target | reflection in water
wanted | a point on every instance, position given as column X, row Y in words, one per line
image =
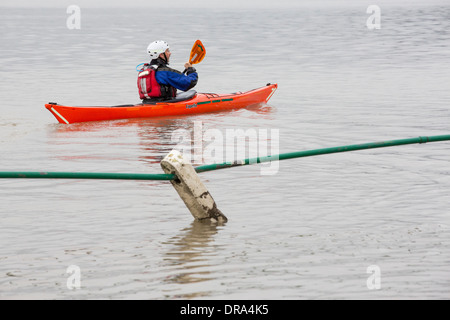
column 188, row 254
column 155, row 135
column 147, row 140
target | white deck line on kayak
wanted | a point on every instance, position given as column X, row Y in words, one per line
column 270, row 95
column 57, row 113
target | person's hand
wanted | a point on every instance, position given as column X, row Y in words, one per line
column 187, row 65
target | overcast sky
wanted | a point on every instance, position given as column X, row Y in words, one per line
column 207, row 3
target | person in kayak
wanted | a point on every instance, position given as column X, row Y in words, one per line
column 164, row 82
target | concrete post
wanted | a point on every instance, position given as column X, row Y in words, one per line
column 191, row 190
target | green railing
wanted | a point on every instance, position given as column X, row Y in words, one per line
column 210, row 167
column 318, row 152
column 86, row 175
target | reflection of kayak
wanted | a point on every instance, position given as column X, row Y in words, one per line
column 197, row 103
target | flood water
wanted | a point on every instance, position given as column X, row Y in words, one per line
column 314, row 229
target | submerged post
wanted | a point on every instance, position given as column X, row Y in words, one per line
column 191, row 190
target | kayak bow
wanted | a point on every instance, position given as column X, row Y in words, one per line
column 199, row 103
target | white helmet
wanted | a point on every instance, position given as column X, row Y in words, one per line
column 156, row 48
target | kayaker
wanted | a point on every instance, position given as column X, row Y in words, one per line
column 168, row 80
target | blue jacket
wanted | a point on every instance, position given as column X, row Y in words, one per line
column 174, row 78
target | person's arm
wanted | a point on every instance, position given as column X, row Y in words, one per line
column 177, row 79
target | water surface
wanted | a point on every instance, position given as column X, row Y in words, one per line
column 308, row 232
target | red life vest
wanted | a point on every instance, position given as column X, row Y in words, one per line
column 147, row 84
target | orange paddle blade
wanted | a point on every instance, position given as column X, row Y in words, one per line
column 198, row 52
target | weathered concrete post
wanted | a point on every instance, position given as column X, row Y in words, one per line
column 191, row 190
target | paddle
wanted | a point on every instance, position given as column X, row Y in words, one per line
column 198, row 52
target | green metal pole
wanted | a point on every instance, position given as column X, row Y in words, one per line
column 86, row 175
column 210, row 167
column 317, row 152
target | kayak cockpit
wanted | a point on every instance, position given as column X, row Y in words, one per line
column 182, row 96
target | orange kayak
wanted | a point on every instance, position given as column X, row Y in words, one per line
column 198, row 103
